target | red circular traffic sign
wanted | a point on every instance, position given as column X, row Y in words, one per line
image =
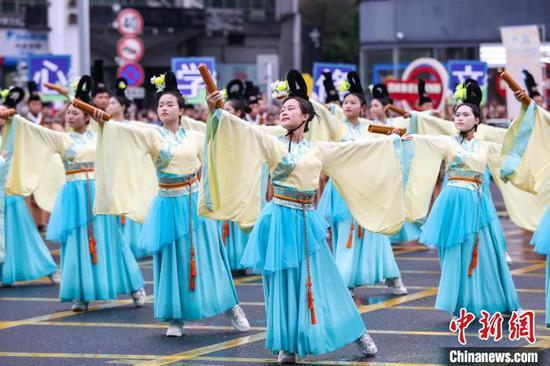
column 130, row 49
column 129, row 22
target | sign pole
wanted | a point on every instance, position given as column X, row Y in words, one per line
column 84, row 36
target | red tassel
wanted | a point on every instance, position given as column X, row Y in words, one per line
column 350, row 239
column 360, row 231
column 225, row 231
column 91, row 245
column 310, row 302
column 473, row 263
column 122, row 220
column 193, row 271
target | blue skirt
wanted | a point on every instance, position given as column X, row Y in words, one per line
column 276, row 249
column 166, row 234
column 457, row 217
column 27, row 256
column 235, row 243
column 495, row 227
column 541, row 242
column 370, row 258
column 116, row 270
column 132, row 232
column 409, row 232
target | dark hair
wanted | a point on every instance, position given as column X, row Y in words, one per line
column 306, row 107
column 179, row 97
column 359, row 96
column 239, row 105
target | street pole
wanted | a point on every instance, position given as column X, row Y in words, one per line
column 84, row 37
column 297, row 36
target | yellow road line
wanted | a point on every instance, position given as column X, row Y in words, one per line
column 76, row 355
column 64, row 314
column 431, row 308
column 524, row 270
column 192, row 354
column 132, row 358
column 140, row 325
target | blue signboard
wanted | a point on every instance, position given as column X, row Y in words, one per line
column 339, row 74
column 52, row 69
column 459, row 71
column 189, row 79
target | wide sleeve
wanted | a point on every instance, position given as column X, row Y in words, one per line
column 526, row 149
column 325, row 126
column 125, row 175
column 232, row 169
column 189, row 123
column 35, row 150
column 368, row 176
column 421, row 161
column 426, row 124
column 524, row 208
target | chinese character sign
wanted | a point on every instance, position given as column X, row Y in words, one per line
column 52, row 69
column 339, row 74
column 459, row 71
column 189, row 79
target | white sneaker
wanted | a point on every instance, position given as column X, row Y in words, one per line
column 139, row 297
column 367, row 345
column 79, row 305
column 238, row 319
column 286, row 357
column 55, row 278
column 507, row 257
column 396, row 285
column 175, row 329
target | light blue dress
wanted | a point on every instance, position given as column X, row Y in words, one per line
column 23, row 254
column 167, row 233
column 116, row 270
column 368, row 257
column 132, row 232
column 276, row 249
column 541, row 242
column 459, row 214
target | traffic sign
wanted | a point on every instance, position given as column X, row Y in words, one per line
column 49, row 69
column 131, row 49
column 129, row 22
column 133, row 73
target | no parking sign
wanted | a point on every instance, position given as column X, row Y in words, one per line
column 133, row 73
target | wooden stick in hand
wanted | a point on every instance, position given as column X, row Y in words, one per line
column 386, row 130
column 58, row 88
column 400, row 111
column 210, row 84
column 7, row 113
column 512, row 84
column 90, row 109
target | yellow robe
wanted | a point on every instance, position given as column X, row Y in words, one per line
column 236, row 152
column 37, row 166
column 127, row 154
column 525, row 209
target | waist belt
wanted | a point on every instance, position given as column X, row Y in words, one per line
column 79, row 174
column 294, row 199
column 474, row 180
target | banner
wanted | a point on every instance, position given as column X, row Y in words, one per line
column 189, row 79
column 459, row 71
column 339, row 74
column 522, row 44
column 52, row 69
column 405, row 90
